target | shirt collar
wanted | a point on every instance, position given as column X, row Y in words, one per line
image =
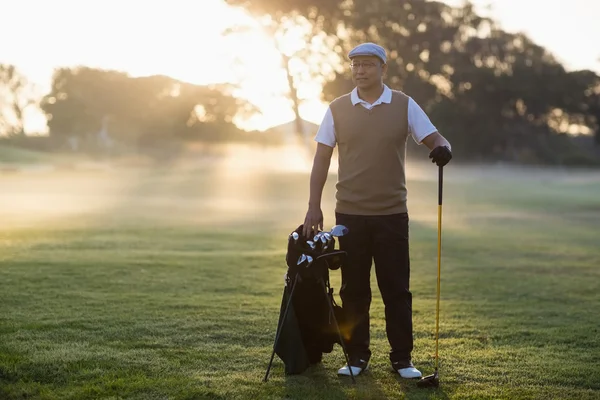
column 386, row 97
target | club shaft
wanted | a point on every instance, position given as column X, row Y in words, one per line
column 440, row 184
column 439, row 266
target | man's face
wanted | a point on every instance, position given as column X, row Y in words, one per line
column 367, row 71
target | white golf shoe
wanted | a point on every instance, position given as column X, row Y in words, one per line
column 410, row 373
column 357, row 368
column 407, row 371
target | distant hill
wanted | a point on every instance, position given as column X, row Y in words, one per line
column 289, row 129
column 287, row 133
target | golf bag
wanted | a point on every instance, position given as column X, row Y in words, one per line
column 310, row 322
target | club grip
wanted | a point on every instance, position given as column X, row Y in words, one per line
column 440, row 184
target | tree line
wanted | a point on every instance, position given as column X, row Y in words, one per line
column 495, row 95
column 88, row 107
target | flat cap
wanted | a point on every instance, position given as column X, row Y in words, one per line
column 368, row 49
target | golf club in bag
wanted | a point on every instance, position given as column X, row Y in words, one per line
column 434, row 379
column 310, row 322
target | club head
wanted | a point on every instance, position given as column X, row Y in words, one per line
column 429, row 381
column 338, row 230
column 295, row 236
column 329, row 240
column 301, row 259
column 310, row 260
column 311, row 244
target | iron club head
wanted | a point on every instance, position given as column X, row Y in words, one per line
column 429, row 381
column 301, row 259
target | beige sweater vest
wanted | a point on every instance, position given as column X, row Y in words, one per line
column 372, row 150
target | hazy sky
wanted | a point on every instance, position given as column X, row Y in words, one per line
column 182, row 38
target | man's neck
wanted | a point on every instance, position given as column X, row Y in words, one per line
column 370, row 95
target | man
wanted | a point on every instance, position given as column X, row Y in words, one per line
column 371, row 126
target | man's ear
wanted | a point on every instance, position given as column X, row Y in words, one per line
column 384, row 69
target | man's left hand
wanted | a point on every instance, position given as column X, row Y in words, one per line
column 441, row 155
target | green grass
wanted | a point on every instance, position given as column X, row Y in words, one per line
column 16, row 157
column 9, row 154
column 166, row 285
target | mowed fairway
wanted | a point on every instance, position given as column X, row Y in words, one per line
column 166, row 283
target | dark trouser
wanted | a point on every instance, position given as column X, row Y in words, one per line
column 383, row 239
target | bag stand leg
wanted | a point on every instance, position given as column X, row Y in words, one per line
column 289, row 302
column 338, row 331
column 279, row 328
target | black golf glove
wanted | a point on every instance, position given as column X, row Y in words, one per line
column 441, row 155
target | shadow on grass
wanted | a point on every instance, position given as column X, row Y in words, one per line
column 319, row 382
column 412, row 392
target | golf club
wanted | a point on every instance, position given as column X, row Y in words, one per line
column 301, row 259
column 318, row 246
column 309, row 259
column 434, row 379
column 338, row 230
column 326, row 238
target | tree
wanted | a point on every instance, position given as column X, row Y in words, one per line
column 494, row 93
column 16, row 95
column 304, row 48
column 159, row 106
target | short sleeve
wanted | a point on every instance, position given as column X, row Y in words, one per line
column 419, row 124
column 326, row 132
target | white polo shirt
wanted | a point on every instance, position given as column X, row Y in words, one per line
column 419, row 125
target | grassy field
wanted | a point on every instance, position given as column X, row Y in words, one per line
column 13, row 156
column 166, row 283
